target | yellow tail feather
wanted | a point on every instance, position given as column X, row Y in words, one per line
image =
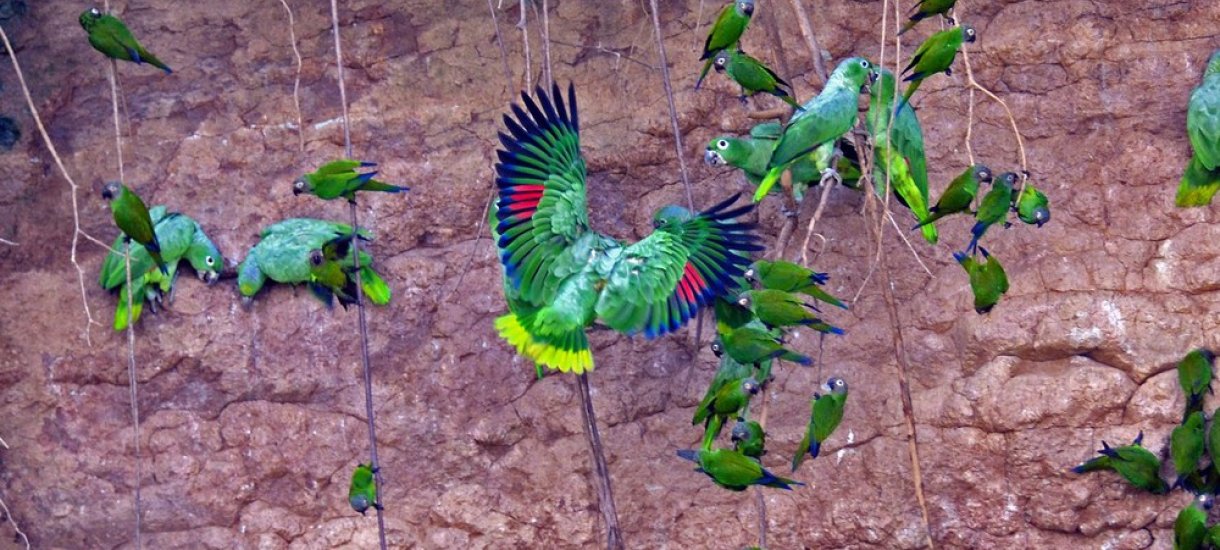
column 543, row 353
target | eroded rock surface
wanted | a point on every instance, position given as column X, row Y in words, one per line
column 253, row 418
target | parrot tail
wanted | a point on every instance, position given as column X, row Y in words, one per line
column 789, row 100
column 787, row 355
column 374, row 185
column 929, row 233
column 565, row 351
column 915, row 19
column 689, row 454
column 815, row 447
column 771, row 480
column 156, row 256
column 768, row 182
column 906, row 95
column 707, row 65
column 1198, row 185
column 1093, row 465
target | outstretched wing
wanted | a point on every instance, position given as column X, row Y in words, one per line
column 660, row 282
column 541, row 206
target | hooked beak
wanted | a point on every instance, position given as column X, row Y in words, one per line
column 873, row 76
column 210, row 277
column 712, row 158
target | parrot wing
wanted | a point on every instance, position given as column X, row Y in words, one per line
column 1203, row 123
column 342, row 166
column 717, row 38
column 659, row 283
column 541, row 201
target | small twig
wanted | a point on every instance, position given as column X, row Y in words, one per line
column 902, row 235
column 815, row 48
column 374, row 463
column 133, row 381
column 77, row 231
column 673, row 110
column 525, row 39
column 817, row 215
column 970, row 127
column 118, row 129
column 699, row 38
column 760, row 498
column 8, row 242
column 605, row 493
column 508, row 73
column 296, row 84
column 20, row 533
column 547, row 77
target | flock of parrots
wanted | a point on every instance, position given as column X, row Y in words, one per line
column 559, row 276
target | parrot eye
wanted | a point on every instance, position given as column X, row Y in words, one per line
column 94, row 11
column 315, row 257
column 722, row 144
column 743, row 302
column 864, row 63
column 717, row 349
column 969, row 32
column 210, row 261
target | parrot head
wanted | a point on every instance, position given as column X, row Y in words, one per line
column 721, row 61
column 111, row 190
column 360, row 503
column 968, row 33
column 751, row 275
column 206, row 260
column 726, row 150
column 835, row 385
column 750, row 385
column 745, row 7
column 1203, row 501
column 300, row 185
column 1207, row 354
column 744, row 300
column 1042, row 215
column 856, row 70
column 1007, row 178
column 90, row 17
column 982, row 173
column 741, row 430
column 717, row 348
column 670, row 216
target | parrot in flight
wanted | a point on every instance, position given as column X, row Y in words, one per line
column 340, row 179
column 725, row 33
column 733, row 470
column 960, row 194
column 825, row 413
column 988, row 282
column 563, row 276
column 935, row 55
column 1032, row 205
column 131, row 215
column 825, row 118
column 1202, row 176
column 363, row 491
column 753, row 76
column 927, row 8
column 899, row 151
column 108, row 34
column 1195, row 377
column 1133, row 462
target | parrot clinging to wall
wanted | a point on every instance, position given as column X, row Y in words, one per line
column 1190, row 528
column 362, row 494
column 752, row 153
column 283, row 255
column 562, row 276
column 725, row 33
column 790, row 277
column 733, row 470
column 994, row 208
column 753, row 76
column 1202, row 176
column 1033, row 207
column 340, row 178
column 1195, row 378
column 988, row 281
column 108, row 34
column 825, row 413
column 1133, row 462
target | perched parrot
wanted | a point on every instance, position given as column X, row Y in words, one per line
column 725, row 33
column 1190, row 529
column 751, row 155
column 340, row 179
column 749, row 438
column 363, row 491
column 733, row 470
column 1186, row 446
column 752, row 346
column 564, row 276
column 114, row 270
column 960, row 194
column 282, row 255
column 988, row 282
column 1202, row 176
column 107, row 34
column 205, row 257
column 1031, row 205
column 898, row 151
column 753, row 76
column 730, row 316
column 994, row 208
column 777, row 308
column 728, row 371
column 1134, row 463
column 131, row 215
column 927, row 8
column 1195, row 377
column 732, row 398
column 790, row 277
column 328, row 278
column 935, row 55
column 825, row 413
column 826, row 118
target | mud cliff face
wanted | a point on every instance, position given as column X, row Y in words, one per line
column 253, row 418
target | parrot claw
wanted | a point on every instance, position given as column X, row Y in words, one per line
column 744, row 101
column 949, row 71
column 830, row 174
column 247, row 301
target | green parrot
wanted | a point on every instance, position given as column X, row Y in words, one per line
column 733, row 470
column 1031, row 205
column 131, row 215
column 935, row 55
column 825, row 413
column 282, row 255
column 988, row 282
column 725, row 33
column 566, row 276
column 1134, row 463
column 1190, row 529
column 728, row 371
column 776, row 308
column 1213, row 536
column 1195, row 377
column 205, row 257
column 340, row 178
column 1095, row 464
column 1202, row 176
column 751, row 155
column 114, row 270
column 927, row 8
column 1186, row 446
column 960, row 194
column 363, row 492
column 749, row 438
column 790, row 277
column 730, row 399
column 753, row 76
column 898, row 151
column 730, row 316
column 328, row 278
column 107, row 34
column 752, row 346
column 826, row 118
column 994, row 208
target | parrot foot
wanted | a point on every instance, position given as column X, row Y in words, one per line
column 787, row 212
column 952, row 22
column 1007, row 225
column 948, row 71
column 379, row 506
column 830, row 174
column 744, row 100
column 154, row 303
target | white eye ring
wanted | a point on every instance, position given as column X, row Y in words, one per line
column 209, row 260
column 864, row 63
column 722, row 144
column 95, row 11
